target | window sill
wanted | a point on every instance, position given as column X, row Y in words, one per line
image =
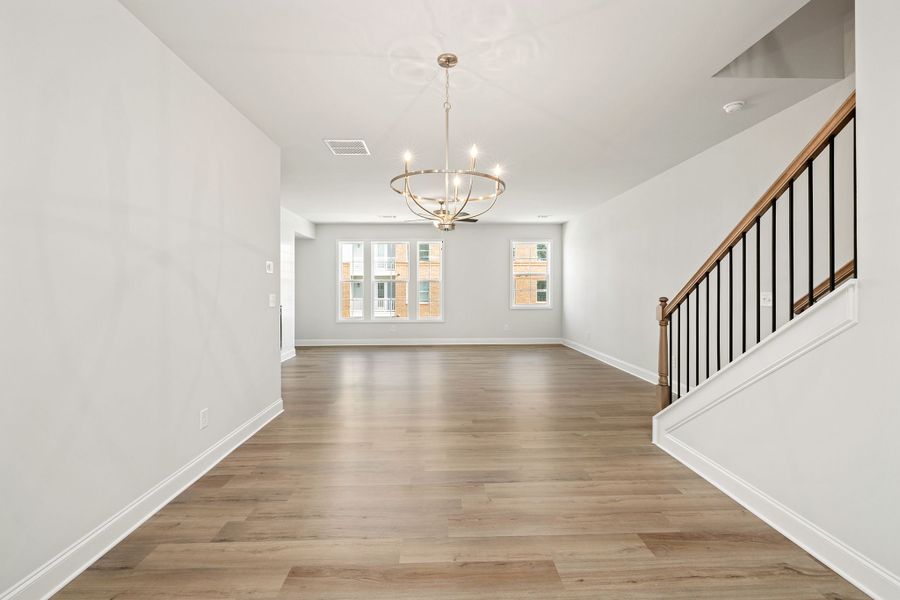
column 535, row 307
column 389, row 321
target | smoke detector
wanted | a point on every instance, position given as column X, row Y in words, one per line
column 733, row 107
column 348, row 147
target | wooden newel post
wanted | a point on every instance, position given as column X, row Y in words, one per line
column 662, row 390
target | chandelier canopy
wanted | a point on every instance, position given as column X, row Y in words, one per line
column 452, row 191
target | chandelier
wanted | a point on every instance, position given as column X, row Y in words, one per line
column 452, row 191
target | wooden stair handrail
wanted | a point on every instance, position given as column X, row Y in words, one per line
column 841, row 117
column 840, row 276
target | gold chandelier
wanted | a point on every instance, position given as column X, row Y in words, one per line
column 447, row 208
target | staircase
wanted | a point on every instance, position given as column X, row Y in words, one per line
column 794, row 247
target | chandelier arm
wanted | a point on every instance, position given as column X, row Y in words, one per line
column 427, row 216
column 410, row 196
column 468, row 194
column 493, row 202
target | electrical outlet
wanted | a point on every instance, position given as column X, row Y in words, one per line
column 506, row 327
column 393, row 328
column 204, row 418
column 273, row 300
column 765, row 299
column 270, row 267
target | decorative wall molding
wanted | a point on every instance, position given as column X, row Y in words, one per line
column 60, row 570
column 288, row 354
column 829, row 317
column 833, row 315
column 429, row 342
column 629, row 368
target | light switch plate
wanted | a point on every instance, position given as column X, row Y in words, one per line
column 270, row 267
column 765, row 299
column 204, row 418
column 273, row 300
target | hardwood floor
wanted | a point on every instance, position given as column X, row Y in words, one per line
column 455, row 473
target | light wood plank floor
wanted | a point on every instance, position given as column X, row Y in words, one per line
column 455, row 473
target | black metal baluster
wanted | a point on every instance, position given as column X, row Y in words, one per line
column 718, row 315
column 774, row 281
column 758, row 244
column 707, row 324
column 831, row 214
column 679, row 351
column 744, row 292
column 791, row 250
column 671, row 335
column 809, row 193
column 687, row 344
column 697, row 340
column 730, row 306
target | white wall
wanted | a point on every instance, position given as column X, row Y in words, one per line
column 819, row 436
column 623, row 255
column 476, row 286
column 293, row 226
column 137, row 210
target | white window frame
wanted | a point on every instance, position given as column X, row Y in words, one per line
column 419, row 317
column 374, row 282
column 512, row 277
column 337, row 301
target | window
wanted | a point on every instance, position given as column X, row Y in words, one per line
column 541, row 291
column 390, row 279
column 374, row 282
column 530, row 285
column 430, row 275
column 351, row 274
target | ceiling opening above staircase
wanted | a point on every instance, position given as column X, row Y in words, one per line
column 816, row 42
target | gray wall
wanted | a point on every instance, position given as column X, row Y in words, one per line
column 476, row 285
column 625, row 254
column 137, row 210
column 292, row 227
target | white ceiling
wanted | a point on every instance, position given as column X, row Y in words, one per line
column 579, row 100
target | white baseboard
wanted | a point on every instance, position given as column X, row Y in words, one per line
column 871, row 578
column 629, row 368
column 53, row 575
column 427, row 342
column 833, row 315
column 288, row 354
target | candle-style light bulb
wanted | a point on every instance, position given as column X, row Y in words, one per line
column 473, row 151
column 407, row 156
column 498, row 170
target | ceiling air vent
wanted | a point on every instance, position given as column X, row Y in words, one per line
column 348, row 147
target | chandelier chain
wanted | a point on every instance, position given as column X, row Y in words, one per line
column 446, row 89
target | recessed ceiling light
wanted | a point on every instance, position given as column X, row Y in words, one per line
column 348, row 147
column 733, row 107
column 543, row 216
column 387, row 216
